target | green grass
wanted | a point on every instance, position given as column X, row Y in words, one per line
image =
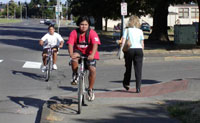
column 3, row 21
column 187, row 112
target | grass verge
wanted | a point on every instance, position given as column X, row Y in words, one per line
column 187, row 112
column 4, row 21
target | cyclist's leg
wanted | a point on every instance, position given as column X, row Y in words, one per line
column 92, row 72
column 92, row 77
column 75, row 61
column 44, row 56
column 55, row 50
column 74, row 64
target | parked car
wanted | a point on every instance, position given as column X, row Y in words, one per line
column 49, row 22
column 145, row 27
column 41, row 21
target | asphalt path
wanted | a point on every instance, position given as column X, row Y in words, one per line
column 23, row 90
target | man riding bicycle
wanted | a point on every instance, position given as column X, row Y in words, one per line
column 84, row 41
column 51, row 40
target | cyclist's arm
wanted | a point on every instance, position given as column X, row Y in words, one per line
column 70, row 50
column 61, row 44
column 41, row 42
column 94, row 50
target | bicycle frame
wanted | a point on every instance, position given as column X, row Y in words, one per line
column 81, row 84
column 49, row 62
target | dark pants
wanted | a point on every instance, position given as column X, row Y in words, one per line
column 134, row 56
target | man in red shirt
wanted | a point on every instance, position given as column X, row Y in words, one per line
column 84, row 41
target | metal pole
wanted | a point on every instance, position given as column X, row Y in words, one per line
column 14, row 12
column 21, row 11
column 7, row 10
column 26, row 12
column 58, row 14
column 122, row 23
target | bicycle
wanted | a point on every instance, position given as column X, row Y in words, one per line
column 49, row 63
column 82, row 74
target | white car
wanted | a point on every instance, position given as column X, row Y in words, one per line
column 41, row 21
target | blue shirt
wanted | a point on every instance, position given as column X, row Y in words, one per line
column 136, row 37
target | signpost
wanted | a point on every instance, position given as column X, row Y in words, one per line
column 123, row 13
column 58, row 11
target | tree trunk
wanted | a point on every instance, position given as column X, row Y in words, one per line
column 106, row 24
column 198, row 42
column 159, row 31
column 98, row 23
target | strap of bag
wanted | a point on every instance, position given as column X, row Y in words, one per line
column 86, row 36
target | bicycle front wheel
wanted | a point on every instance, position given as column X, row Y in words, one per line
column 48, row 71
column 80, row 93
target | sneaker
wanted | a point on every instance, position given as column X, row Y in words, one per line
column 90, row 95
column 55, row 67
column 75, row 78
column 44, row 68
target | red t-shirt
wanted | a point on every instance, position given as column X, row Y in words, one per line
column 93, row 38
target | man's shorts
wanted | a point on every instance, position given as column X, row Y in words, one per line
column 45, row 51
column 87, row 62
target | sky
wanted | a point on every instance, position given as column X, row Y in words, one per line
column 6, row 1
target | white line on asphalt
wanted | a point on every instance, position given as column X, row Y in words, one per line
column 35, row 65
column 1, row 60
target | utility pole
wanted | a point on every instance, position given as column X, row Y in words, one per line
column 58, row 14
column 20, row 10
column 123, row 13
column 7, row 10
column 26, row 11
column 14, row 12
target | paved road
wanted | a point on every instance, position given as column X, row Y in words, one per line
column 23, row 90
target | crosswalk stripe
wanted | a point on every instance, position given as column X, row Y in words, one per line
column 1, row 60
column 34, row 65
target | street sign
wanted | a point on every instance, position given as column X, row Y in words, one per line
column 59, row 9
column 123, row 8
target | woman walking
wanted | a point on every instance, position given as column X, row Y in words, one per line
column 134, row 55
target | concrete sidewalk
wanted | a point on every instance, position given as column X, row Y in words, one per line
column 118, row 105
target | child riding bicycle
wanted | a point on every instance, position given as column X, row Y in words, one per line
column 84, row 41
column 51, row 40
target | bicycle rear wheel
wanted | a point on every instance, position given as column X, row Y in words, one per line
column 80, row 94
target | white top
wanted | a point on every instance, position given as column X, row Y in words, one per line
column 51, row 40
column 136, row 37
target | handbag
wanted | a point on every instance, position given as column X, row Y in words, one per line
column 127, row 43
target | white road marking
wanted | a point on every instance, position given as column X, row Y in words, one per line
column 1, row 60
column 34, row 65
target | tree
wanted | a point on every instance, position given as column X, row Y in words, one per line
column 108, row 9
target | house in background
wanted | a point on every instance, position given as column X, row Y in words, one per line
column 178, row 14
column 183, row 14
column 2, row 7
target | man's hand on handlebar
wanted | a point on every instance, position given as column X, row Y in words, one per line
column 90, row 57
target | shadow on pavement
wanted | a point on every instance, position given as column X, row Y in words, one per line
column 142, row 113
column 20, row 27
column 144, row 81
column 27, row 32
column 25, row 102
column 68, row 88
column 31, row 75
column 30, row 44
